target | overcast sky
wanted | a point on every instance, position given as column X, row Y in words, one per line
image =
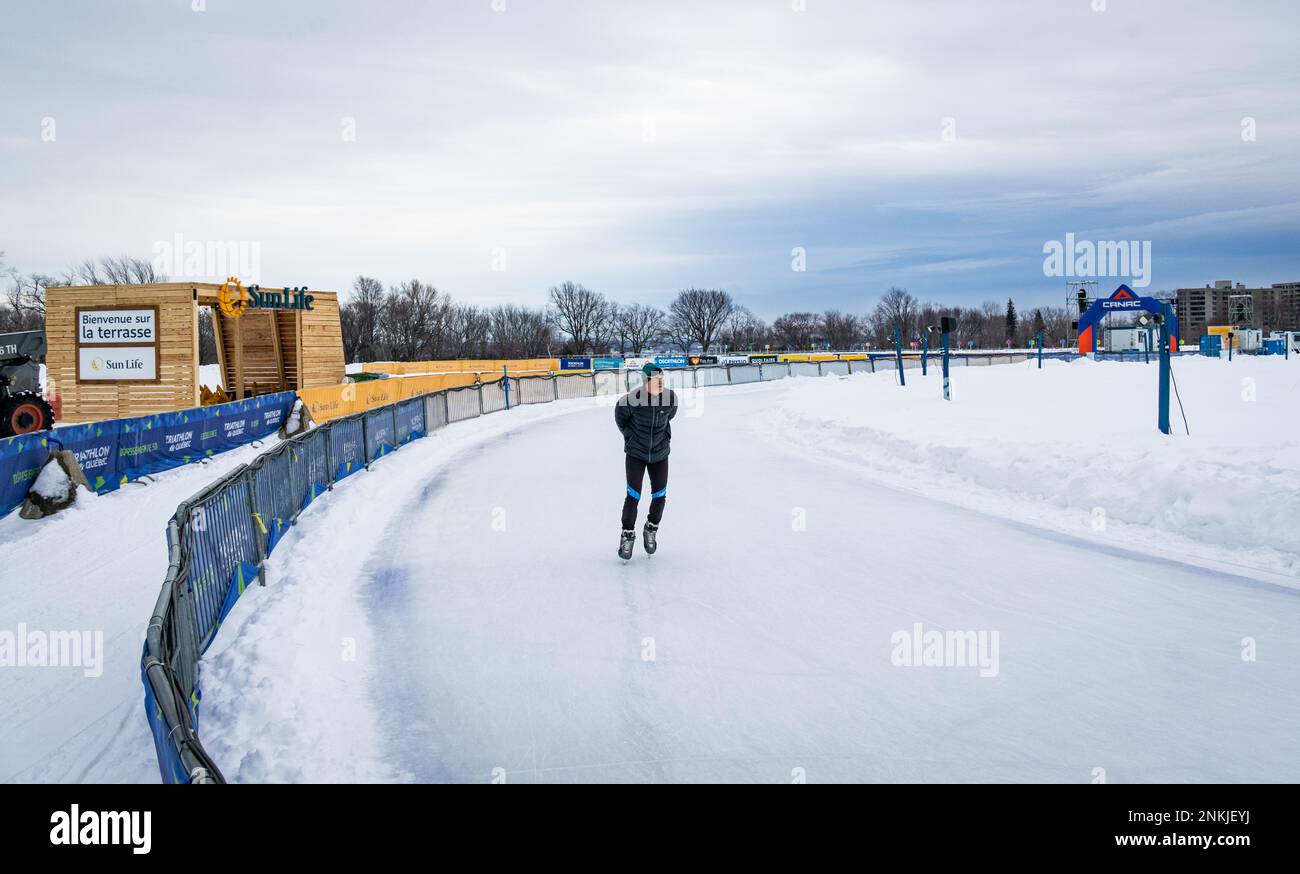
column 644, row 147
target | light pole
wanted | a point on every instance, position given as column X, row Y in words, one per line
column 898, row 353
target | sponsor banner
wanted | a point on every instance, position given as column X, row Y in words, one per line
column 95, row 446
column 764, row 358
column 670, row 360
column 636, row 363
column 114, row 452
column 117, row 326
column 21, row 458
column 697, row 360
column 733, row 359
column 607, row 364
column 117, row 363
column 575, row 364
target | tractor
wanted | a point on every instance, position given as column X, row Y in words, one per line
column 22, row 408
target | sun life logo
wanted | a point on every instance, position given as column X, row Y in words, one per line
column 232, row 299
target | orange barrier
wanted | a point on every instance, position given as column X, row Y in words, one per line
column 335, row 401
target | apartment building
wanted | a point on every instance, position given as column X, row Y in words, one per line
column 1276, row 308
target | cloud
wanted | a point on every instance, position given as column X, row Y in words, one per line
column 644, row 147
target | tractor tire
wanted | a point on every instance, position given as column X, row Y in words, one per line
column 24, row 413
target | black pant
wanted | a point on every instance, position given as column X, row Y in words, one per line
column 636, row 468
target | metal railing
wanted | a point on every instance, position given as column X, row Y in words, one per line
column 218, row 540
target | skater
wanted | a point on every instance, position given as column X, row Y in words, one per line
column 643, row 417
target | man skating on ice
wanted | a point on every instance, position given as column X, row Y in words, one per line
column 643, row 417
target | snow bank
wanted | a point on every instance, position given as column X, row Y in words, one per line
column 95, row 568
column 1074, row 447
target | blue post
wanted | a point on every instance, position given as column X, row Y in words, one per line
column 1230, row 347
column 946, row 396
column 1163, row 422
column 505, row 375
column 1040, row 350
column 898, row 353
column 925, row 351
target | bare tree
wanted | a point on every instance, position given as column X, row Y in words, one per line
column 640, row 325
column 122, row 270
column 360, row 317
column 897, row 308
column 584, row 315
column 841, row 330
column 701, row 313
column 414, row 322
column 468, row 331
column 744, row 331
column 207, row 337
column 679, row 332
column 519, row 332
column 795, row 331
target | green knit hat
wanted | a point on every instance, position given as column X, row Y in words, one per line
column 650, row 368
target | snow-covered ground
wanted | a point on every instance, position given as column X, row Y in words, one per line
column 210, row 375
column 97, row 569
column 458, row 613
column 1074, row 447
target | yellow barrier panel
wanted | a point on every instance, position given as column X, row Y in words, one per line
column 335, row 401
column 518, row 366
column 329, row 401
column 414, row 386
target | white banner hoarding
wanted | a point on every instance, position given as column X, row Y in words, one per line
column 111, row 363
column 116, row 326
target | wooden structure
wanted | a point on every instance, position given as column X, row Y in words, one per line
column 279, row 350
column 262, row 351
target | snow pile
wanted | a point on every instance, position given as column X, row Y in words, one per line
column 52, row 482
column 1074, row 447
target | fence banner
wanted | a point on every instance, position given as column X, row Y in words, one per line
column 114, row 452
column 575, row 364
column 670, row 360
column 150, row 444
column 607, row 364
column 347, row 447
column 95, row 446
column 329, row 402
column 21, row 458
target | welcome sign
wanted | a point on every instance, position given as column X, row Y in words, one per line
column 117, row 326
column 117, row 345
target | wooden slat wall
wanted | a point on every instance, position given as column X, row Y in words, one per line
column 287, row 324
column 321, row 342
column 253, row 332
column 177, row 360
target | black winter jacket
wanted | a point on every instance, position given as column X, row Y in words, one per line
column 644, row 420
